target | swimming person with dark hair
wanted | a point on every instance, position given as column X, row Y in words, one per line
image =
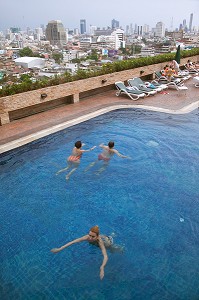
column 94, row 238
column 74, row 159
column 105, row 156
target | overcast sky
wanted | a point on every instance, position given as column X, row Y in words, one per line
column 23, row 13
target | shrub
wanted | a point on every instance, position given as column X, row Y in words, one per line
column 83, row 74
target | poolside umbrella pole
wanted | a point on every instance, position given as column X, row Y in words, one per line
column 177, row 56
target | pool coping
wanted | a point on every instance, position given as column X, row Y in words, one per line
column 45, row 132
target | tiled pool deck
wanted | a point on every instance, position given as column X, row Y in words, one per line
column 22, row 131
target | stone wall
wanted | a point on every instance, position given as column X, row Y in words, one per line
column 27, row 103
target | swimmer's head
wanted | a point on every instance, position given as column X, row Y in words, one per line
column 78, row 144
column 94, row 233
column 111, row 144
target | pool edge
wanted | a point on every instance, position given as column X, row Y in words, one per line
column 40, row 134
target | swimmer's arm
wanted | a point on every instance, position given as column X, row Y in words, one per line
column 88, row 149
column 103, row 146
column 81, row 239
column 119, row 154
column 105, row 259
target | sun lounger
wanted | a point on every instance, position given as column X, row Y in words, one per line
column 130, row 92
column 179, row 87
column 149, row 85
column 192, row 71
column 164, row 80
column 161, row 85
column 184, row 74
column 135, row 83
column 196, row 81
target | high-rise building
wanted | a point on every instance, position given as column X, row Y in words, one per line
column 82, row 26
column 76, row 31
column 115, row 24
column 55, row 33
column 104, row 31
column 119, row 38
column 38, row 34
column 15, row 29
column 190, row 22
column 39, row 31
column 131, row 28
column 160, row 29
column 127, row 29
column 139, row 28
column 145, row 29
column 92, row 29
column 184, row 23
column 136, row 29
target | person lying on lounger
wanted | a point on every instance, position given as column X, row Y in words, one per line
column 74, row 159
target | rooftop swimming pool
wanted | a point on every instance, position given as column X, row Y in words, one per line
column 149, row 204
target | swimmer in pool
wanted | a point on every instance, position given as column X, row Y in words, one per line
column 105, row 156
column 95, row 238
column 74, row 159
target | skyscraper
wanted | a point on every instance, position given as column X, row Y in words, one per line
column 92, row 29
column 139, row 28
column 76, row 31
column 190, row 22
column 55, row 33
column 131, row 28
column 160, row 29
column 115, row 24
column 136, row 29
column 82, row 26
column 184, row 24
column 145, row 29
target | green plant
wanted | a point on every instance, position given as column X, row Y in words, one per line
column 26, row 51
column 108, row 68
column 58, row 57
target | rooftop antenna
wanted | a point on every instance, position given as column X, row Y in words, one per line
column 172, row 24
column 23, row 23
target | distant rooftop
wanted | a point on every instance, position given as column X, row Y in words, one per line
column 55, row 21
column 27, row 59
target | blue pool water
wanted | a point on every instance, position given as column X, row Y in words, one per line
column 150, row 204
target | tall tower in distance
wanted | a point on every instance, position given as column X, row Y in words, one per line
column 115, row 24
column 184, row 23
column 190, row 22
column 160, row 30
column 55, row 33
column 171, row 24
column 82, row 26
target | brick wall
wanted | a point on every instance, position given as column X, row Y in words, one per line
column 27, row 103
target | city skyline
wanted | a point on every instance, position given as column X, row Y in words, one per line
column 101, row 14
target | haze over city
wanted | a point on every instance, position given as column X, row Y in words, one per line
column 32, row 14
